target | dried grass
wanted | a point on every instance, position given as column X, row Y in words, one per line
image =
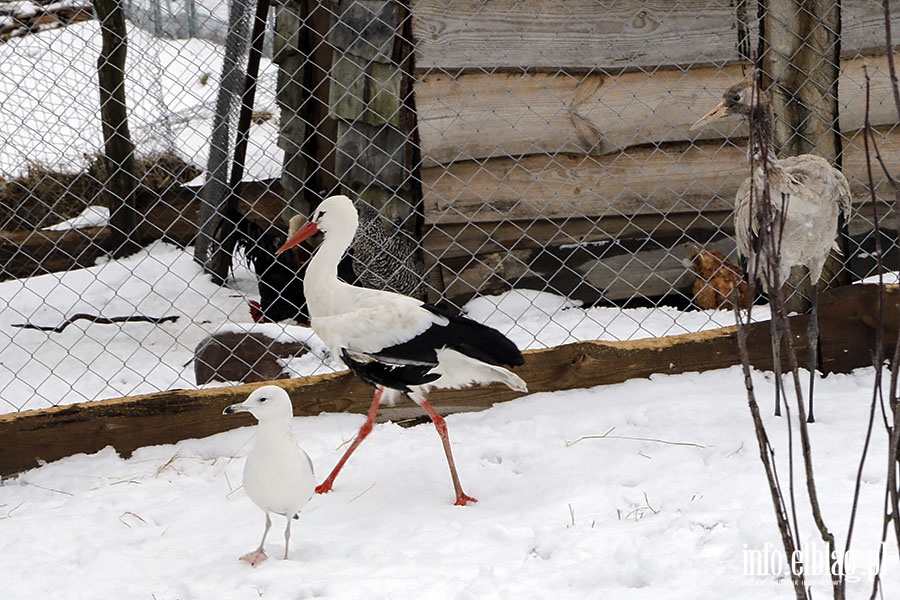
column 43, row 197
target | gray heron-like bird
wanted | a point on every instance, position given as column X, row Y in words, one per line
column 807, row 198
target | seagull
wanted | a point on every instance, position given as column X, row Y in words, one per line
column 807, row 197
column 278, row 474
column 397, row 343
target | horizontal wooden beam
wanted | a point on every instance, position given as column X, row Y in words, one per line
column 689, row 178
column 172, row 217
column 643, row 261
column 30, row 438
column 467, row 239
column 582, row 34
column 647, row 180
column 575, row 33
column 475, row 116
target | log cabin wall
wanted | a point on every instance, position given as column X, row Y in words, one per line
column 554, row 140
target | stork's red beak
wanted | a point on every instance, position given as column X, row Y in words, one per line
column 306, row 231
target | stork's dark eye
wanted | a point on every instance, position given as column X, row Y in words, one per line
column 263, row 399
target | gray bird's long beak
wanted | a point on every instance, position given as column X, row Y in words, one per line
column 717, row 112
column 235, row 408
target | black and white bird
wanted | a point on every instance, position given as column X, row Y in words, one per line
column 397, row 343
column 278, row 474
column 808, row 197
column 382, row 256
column 279, row 277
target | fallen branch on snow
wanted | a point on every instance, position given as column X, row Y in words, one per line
column 97, row 319
column 607, row 436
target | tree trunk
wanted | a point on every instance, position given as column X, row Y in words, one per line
column 122, row 182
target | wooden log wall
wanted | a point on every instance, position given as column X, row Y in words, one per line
column 366, row 99
column 566, row 125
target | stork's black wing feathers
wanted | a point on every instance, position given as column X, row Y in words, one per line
column 397, row 375
column 462, row 334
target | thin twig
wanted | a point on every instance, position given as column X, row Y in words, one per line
column 761, row 203
column 878, row 358
column 607, row 436
column 97, row 319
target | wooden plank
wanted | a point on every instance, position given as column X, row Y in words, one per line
column 463, row 34
column 366, row 98
column 604, row 267
column 665, row 180
column 583, row 34
column 605, row 274
column 30, row 438
column 646, row 180
column 451, row 240
column 30, row 253
column 487, row 115
column 172, row 218
column 365, row 29
column 848, row 318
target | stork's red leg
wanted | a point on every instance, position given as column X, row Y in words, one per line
column 364, row 431
column 461, row 498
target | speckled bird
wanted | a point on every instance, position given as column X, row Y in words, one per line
column 382, row 256
column 807, row 199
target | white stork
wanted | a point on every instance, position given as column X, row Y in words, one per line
column 397, row 343
column 807, row 198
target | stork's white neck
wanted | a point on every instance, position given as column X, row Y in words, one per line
column 321, row 284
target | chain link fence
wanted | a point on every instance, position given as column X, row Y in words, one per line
column 528, row 161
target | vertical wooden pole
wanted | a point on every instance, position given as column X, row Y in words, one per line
column 307, row 134
column 800, row 51
column 366, row 100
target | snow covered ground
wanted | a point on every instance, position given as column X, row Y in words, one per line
column 672, row 503
column 89, row 361
column 675, row 507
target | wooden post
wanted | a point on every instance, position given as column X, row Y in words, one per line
column 216, row 194
column 307, row 134
column 122, row 182
column 800, row 51
column 366, row 100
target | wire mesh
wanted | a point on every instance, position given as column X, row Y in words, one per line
column 530, row 162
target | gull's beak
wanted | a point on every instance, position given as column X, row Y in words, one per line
column 717, row 112
column 235, row 408
column 306, row 231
